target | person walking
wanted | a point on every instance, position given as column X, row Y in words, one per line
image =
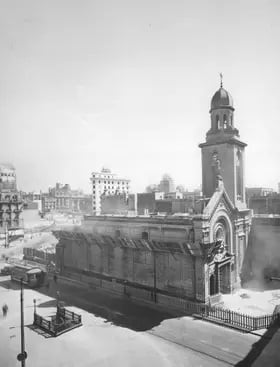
column 5, row 310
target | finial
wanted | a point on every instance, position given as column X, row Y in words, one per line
column 221, row 77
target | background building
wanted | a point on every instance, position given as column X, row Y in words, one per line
column 166, row 184
column 32, row 200
column 63, row 199
column 68, row 200
column 48, row 204
column 105, row 183
column 263, row 200
column 11, row 204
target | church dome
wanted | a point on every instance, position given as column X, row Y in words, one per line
column 221, row 99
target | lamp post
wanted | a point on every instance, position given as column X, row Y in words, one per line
column 34, row 302
column 23, row 355
column 155, row 275
column 57, row 300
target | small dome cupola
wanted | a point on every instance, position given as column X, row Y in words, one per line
column 221, row 110
column 221, row 99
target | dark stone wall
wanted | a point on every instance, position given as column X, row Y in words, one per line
column 175, row 272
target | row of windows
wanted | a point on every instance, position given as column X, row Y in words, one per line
column 117, row 187
column 7, row 174
column 101, row 176
column 111, row 182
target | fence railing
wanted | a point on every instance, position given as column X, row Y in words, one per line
column 59, row 322
column 43, row 323
column 240, row 320
column 66, row 314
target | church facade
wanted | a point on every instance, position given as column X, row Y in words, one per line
column 197, row 258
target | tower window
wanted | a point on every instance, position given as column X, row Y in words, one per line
column 217, row 126
column 225, row 121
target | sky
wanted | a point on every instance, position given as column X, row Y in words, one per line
column 127, row 84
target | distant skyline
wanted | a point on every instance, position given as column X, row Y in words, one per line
column 127, row 84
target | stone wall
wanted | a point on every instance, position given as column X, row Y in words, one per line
column 171, row 272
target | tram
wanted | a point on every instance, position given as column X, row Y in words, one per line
column 31, row 276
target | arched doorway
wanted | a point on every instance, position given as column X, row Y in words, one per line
column 220, row 278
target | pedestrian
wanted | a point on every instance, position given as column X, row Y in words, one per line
column 55, row 278
column 5, row 310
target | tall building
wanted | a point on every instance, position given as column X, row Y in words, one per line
column 11, row 204
column 106, row 183
column 166, row 184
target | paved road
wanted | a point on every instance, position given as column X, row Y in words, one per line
column 97, row 343
column 218, row 343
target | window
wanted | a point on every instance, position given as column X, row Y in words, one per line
column 145, row 236
column 217, row 125
column 225, row 121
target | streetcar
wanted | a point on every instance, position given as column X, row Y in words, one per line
column 32, row 276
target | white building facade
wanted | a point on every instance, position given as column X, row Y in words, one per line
column 106, row 183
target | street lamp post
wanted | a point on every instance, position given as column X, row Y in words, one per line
column 57, row 300
column 155, row 275
column 23, row 355
column 34, row 301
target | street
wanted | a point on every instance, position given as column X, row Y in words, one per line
column 115, row 332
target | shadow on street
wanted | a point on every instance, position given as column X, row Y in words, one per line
column 258, row 347
column 119, row 310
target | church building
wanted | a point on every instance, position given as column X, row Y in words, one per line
column 197, row 258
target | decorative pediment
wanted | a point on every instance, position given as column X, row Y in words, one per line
column 219, row 201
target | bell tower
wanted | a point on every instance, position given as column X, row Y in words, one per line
column 223, row 152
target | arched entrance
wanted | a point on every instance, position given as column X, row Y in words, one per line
column 220, row 279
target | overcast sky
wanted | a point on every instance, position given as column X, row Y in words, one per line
column 127, row 84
